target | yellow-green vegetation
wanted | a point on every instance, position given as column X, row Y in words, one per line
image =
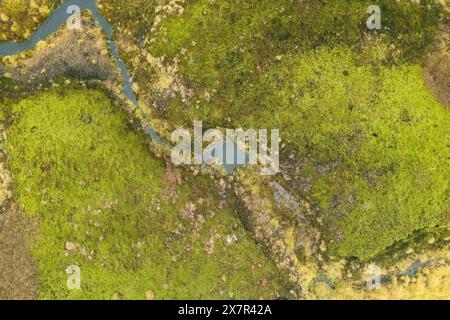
column 103, row 202
column 376, row 144
column 223, row 70
column 350, row 104
column 430, row 281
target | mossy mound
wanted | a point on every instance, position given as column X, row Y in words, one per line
column 106, row 204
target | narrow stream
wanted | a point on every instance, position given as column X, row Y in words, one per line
column 56, row 20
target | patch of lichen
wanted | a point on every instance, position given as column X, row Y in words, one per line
column 107, row 205
column 420, row 275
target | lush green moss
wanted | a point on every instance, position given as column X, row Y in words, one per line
column 103, row 205
column 372, row 139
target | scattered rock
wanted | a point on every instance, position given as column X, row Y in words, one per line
column 232, row 238
column 150, row 295
column 70, row 246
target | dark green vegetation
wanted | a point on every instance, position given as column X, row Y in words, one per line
column 255, row 35
column 350, row 103
column 104, row 203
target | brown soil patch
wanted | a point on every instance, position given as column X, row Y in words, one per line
column 437, row 76
column 437, row 68
column 17, row 270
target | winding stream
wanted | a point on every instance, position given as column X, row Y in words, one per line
column 56, row 20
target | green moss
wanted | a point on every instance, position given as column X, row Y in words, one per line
column 412, row 27
column 91, row 181
column 354, row 106
column 375, row 141
column 230, row 43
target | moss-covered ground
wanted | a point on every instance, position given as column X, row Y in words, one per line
column 350, row 103
column 107, row 205
column 20, row 18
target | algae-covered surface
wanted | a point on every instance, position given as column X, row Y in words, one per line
column 362, row 190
